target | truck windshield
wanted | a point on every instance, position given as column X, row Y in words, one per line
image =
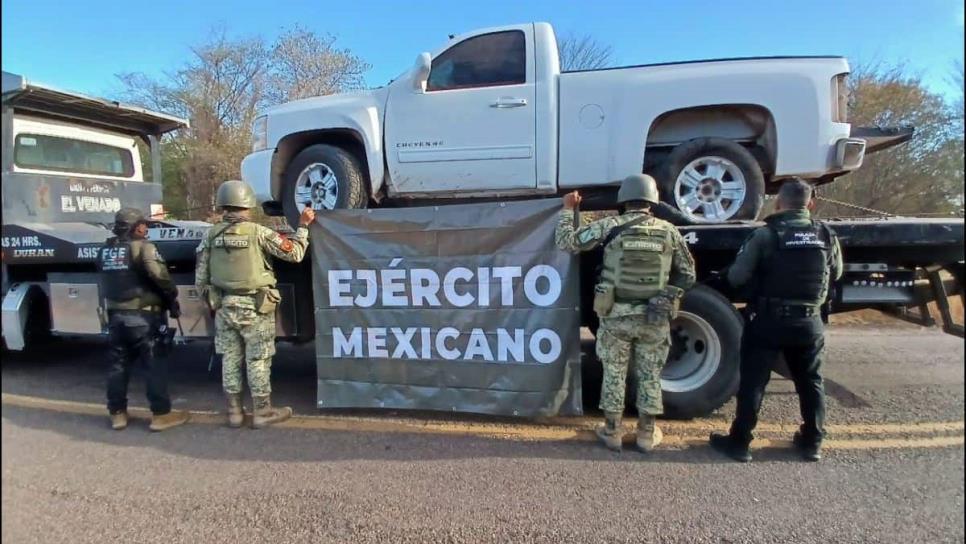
column 42, row 152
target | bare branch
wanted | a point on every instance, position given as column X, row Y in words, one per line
column 583, row 53
column 220, row 89
column 304, row 64
column 924, row 175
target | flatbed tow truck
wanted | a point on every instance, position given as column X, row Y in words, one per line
column 56, row 215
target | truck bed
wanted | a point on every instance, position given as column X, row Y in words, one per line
column 899, row 241
column 878, row 250
column 704, row 61
column 905, row 241
column 881, row 257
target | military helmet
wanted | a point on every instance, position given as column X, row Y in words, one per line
column 235, row 193
column 638, row 187
column 125, row 218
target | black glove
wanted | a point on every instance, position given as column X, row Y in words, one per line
column 718, row 280
column 174, row 309
column 659, row 310
column 164, row 341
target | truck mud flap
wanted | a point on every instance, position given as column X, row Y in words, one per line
column 933, row 286
column 941, row 292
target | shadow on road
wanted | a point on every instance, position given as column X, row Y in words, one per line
column 76, row 370
column 210, row 442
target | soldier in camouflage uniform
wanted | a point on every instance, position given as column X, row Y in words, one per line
column 234, row 270
column 647, row 268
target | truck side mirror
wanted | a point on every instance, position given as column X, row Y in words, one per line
column 421, row 72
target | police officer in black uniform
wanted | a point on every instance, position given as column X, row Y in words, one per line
column 137, row 291
column 787, row 266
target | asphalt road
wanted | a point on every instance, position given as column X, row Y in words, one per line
column 68, row 478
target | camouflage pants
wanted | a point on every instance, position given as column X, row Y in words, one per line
column 626, row 339
column 245, row 338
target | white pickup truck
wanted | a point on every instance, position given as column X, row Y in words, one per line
column 490, row 115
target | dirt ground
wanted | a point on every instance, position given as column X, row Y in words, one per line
column 875, row 317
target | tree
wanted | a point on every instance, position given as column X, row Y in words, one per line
column 957, row 79
column 220, row 90
column 303, row 64
column 583, row 53
column 924, row 175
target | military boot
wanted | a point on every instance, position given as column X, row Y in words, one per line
column 809, row 450
column 236, row 412
column 726, row 444
column 163, row 422
column 649, row 435
column 610, row 432
column 119, row 420
column 266, row 415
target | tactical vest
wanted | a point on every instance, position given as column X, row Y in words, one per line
column 638, row 261
column 797, row 269
column 236, row 263
column 122, row 278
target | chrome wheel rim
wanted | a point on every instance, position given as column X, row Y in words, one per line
column 695, row 354
column 316, row 186
column 710, row 189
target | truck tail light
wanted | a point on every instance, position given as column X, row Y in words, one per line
column 260, row 134
column 840, row 98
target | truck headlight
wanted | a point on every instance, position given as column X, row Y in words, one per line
column 260, row 133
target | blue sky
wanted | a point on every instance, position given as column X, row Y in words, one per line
column 81, row 45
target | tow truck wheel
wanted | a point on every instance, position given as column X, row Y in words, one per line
column 712, row 180
column 325, row 177
column 701, row 373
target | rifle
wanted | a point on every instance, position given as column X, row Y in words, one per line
column 180, row 329
column 212, row 300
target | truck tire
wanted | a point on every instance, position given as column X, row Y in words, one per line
column 701, row 373
column 325, row 176
column 700, row 175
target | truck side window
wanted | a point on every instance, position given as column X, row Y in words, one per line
column 489, row 60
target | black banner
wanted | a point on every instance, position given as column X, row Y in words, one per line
column 465, row 308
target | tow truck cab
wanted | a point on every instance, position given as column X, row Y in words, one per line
column 69, row 163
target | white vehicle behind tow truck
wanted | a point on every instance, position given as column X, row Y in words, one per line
column 490, row 115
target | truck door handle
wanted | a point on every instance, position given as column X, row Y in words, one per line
column 509, row 102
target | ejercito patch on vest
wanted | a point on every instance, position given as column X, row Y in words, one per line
column 231, row 242
column 642, row 245
column 286, row 246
